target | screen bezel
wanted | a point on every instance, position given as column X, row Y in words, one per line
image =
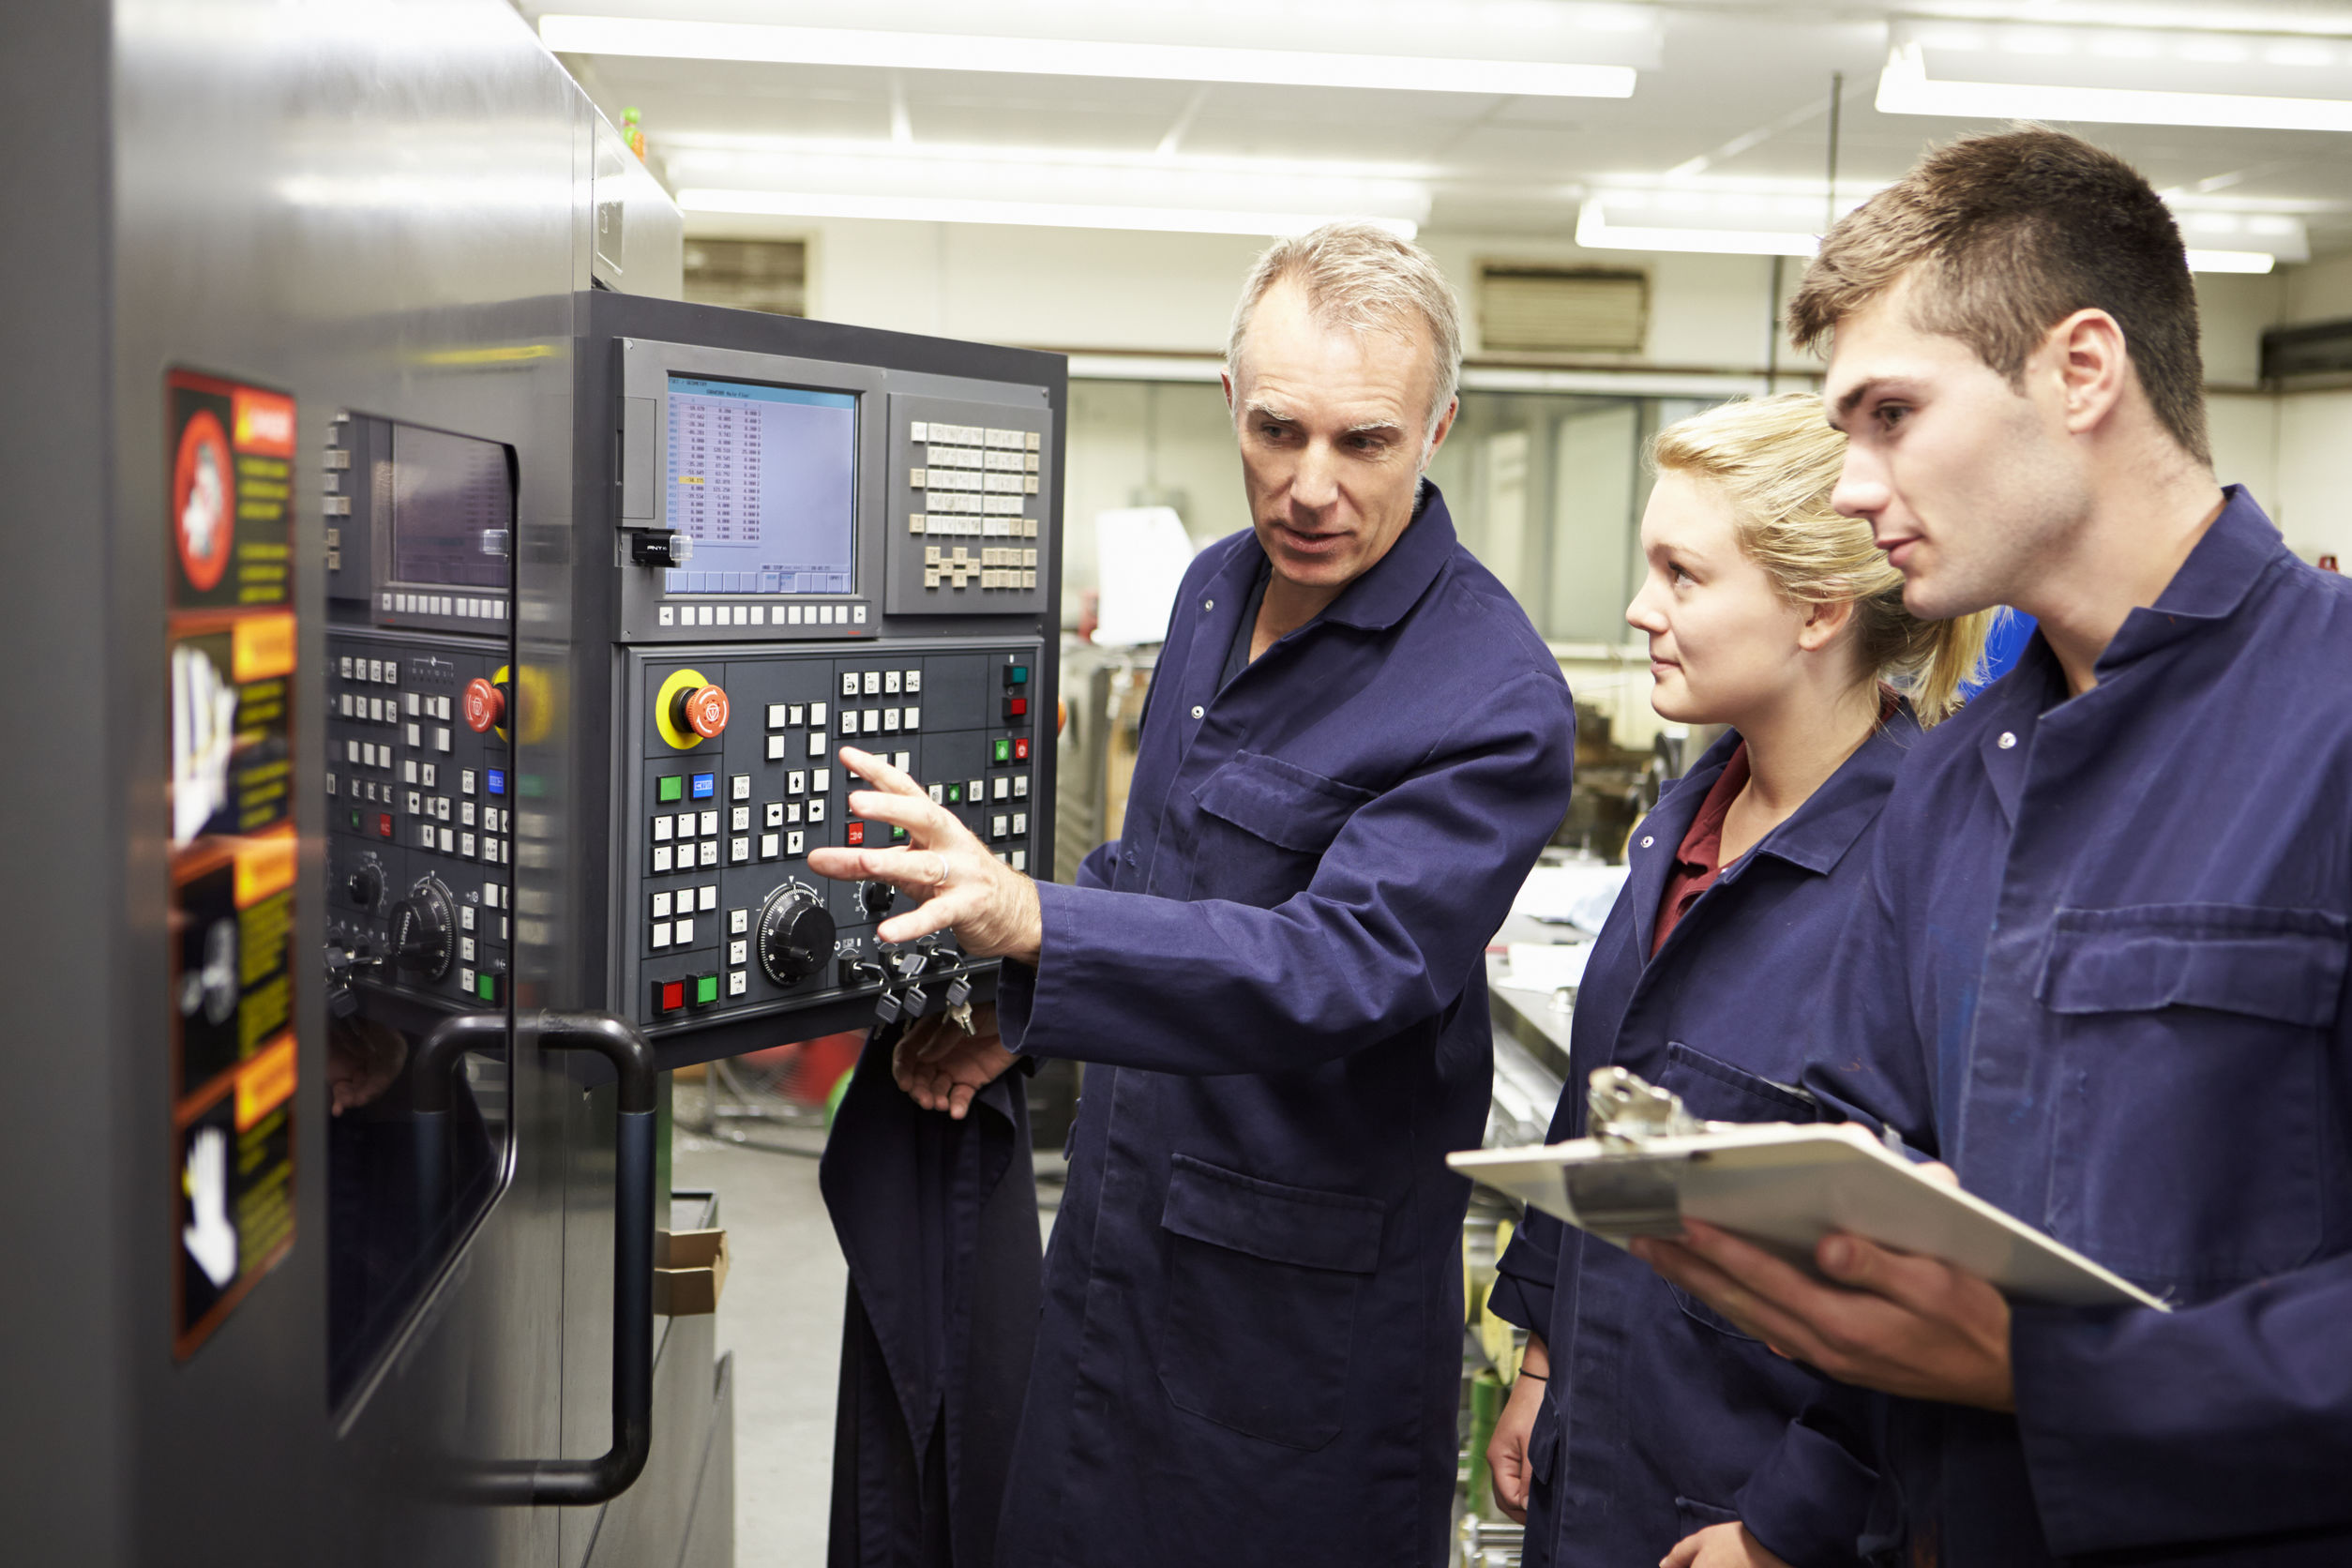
column 646, row 367
column 858, row 414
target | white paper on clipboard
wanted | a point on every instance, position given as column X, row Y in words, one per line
column 1785, row 1186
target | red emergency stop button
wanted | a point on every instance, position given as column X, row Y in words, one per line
column 703, row 710
column 485, row 705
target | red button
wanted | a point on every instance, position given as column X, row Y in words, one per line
column 672, row 995
column 1020, row 748
column 706, row 712
column 485, row 705
column 857, row 833
column 1015, row 707
column 383, row 824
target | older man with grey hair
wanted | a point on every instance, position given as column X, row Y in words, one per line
column 1355, row 745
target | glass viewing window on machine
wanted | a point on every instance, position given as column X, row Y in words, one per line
column 764, row 480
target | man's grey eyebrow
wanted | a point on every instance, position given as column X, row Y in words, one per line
column 1258, row 405
column 1373, row 426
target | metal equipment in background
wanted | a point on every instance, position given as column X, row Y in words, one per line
column 360, row 655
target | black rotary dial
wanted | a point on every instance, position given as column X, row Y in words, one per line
column 795, row 935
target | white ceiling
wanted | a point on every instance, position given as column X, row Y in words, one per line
column 1732, row 72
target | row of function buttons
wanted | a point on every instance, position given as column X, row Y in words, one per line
column 973, row 517
column 937, row 433
column 757, row 615
column 387, row 671
column 943, row 482
column 959, row 570
column 944, row 456
column 360, row 708
column 428, row 774
column 697, row 990
column 444, row 604
column 485, row 847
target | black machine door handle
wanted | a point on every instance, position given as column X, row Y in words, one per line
column 573, row 1481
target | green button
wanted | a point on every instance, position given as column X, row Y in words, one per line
column 672, row 788
column 898, row 835
column 705, row 989
column 1004, row 751
column 955, row 797
column 486, row 987
column 1018, row 675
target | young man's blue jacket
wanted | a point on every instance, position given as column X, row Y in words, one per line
column 1660, row 1418
column 2101, row 970
column 1251, row 1344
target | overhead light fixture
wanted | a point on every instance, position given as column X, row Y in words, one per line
column 1782, row 223
column 1709, row 222
column 912, row 49
column 790, row 178
column 2117, row 76
column 1056, row 215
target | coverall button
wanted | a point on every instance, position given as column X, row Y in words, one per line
column 1647, row 840
column 2009, row 738
column 1197, row 711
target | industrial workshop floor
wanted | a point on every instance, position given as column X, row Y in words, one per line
column 781, row 1317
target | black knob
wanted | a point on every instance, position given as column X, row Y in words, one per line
column 365, row 885
column 422, row 944
column 795, row 935
column 875, row 897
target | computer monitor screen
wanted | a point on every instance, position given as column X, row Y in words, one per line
column 452, row 509
column 764, row 480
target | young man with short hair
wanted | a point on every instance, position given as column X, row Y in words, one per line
column 2103, row 972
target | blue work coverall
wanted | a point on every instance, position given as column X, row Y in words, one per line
column 2102, row 967
column 1660, row 1418
column 1251, row 1345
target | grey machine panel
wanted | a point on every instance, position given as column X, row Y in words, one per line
column 905, row 616
column 392, row 211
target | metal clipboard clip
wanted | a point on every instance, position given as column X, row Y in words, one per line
column 1625, row 1112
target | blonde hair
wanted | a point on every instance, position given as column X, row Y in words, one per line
column 1777, row 460
column 1360, row 276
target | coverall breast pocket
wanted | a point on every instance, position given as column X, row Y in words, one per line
column 2188, row 1086
column 1263, row 1287
column 1716, row 1090
column 1264, row 826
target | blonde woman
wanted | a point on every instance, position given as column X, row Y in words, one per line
column 1643, row 1425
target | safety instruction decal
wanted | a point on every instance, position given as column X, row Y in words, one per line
column 231, row 639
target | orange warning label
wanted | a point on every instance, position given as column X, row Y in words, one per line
column 265, row 1082
column 261, row 648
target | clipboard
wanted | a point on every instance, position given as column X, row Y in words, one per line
column 1783, row 1186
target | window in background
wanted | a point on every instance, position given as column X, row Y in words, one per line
column 770, row 274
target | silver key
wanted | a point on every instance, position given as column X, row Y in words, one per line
column 961, row 1012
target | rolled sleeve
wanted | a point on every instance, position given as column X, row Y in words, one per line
column 1809, row 1500
column 1522, row 1293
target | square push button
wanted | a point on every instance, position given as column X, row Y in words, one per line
column 1020, row 749
column 1016, row 675
column 1017, row 707
column 669, row 995
column 706, row 786
column 855, row 832
column 1004, row 752
column 705, row 990
column 670, row 788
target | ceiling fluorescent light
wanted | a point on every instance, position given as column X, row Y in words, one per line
column 1905, row 87
column 1596, row 230
column 1057, row 214
column 2231, row 260
column 1174, row 62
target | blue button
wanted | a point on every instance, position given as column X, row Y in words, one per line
column 497, row 780
column 706, row 786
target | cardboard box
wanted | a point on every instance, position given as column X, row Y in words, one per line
column 689, row 1271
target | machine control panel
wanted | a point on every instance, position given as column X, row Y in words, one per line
column 737, row 777
column 419, row 695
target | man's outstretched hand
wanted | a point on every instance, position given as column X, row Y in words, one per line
column 960, row 884
column 941, row 1067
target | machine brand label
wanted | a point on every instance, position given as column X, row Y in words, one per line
column 230, row 648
